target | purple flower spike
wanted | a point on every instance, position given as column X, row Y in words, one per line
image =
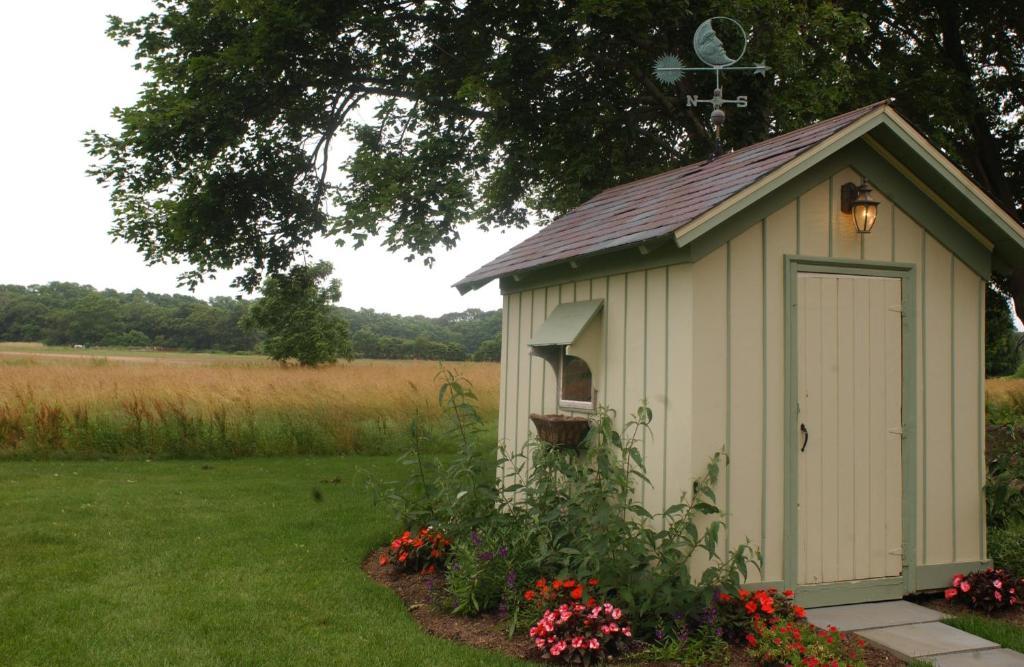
column 474, row 538
column 487, row 555
column 503, row 552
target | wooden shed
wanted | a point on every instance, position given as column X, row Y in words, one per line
column 842, row 372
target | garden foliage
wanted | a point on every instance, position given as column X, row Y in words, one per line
column 987, row 590
column 568, row 515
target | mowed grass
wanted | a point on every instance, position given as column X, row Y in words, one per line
column 192, row 406
column 1005, row 633
column 171, row 563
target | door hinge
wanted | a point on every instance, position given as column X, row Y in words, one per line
column 896, row 309
column 896, row 430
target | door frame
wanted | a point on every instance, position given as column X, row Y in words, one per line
column 863, row 590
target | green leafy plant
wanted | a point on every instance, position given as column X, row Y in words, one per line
column 1006, row 547
column 796, row 643
column 480, row 576
column 987, row 590
column 738, row 613
column 425, row 552
column 703, row 646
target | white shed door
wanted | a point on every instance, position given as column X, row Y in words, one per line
column 850, row 382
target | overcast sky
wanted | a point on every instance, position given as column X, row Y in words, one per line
column 61, row 76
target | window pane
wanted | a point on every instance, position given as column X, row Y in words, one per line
column 577, row 383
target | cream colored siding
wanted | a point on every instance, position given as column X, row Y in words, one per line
column 780, row 240
column 678, row 422
column 704, row 343
column 746, row 371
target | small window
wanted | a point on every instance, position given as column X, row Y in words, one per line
column 577, row 383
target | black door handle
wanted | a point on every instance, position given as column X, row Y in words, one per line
column 803, row 430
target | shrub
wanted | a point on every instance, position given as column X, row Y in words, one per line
column 1006, row 546
column 738, row 614
column 986, row 590
column 796, row 643
column 424, row 553
column 577, row 633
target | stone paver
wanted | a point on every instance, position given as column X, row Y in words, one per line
column 924, row 639
column 853, row 617
column 997, row 657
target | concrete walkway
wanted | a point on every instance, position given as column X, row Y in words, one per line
column 913, row 632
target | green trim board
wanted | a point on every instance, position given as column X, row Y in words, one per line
column 850, row 592
column 934, row 577
column 795, row 264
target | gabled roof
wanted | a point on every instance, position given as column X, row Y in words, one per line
column 682, row 201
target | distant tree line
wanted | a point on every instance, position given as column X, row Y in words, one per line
column 72, row 314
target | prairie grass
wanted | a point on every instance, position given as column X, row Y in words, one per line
column 1004, row 390
column 188, row 406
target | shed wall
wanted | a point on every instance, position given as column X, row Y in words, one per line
column 703, row 343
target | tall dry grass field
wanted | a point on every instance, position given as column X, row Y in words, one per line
column 187, row 405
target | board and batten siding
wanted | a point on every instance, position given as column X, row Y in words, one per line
column 703, row 342
column 645, row 324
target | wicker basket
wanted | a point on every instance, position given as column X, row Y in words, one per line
column 561, row 430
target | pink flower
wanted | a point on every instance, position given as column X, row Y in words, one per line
column 627, row 632
column 614, row 627
column 957, row 579
column 594, row 644
column 605, row 630
column 616, row 613
column 557, row 648
column 999, row 596
column 964, row 586
column 577, row 642
column 998, row 583
column 540, row 643
column 608, row 607
column 950, row 593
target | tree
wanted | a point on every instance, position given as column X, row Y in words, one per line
column 486, row 113
column 295, row 314
column 1001, row 355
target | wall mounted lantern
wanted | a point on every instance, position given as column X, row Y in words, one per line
column 856, row 200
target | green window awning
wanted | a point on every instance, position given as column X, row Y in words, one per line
column 566, row 322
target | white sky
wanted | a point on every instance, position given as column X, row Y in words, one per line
column 61, row 76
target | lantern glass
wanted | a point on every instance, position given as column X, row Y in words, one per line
column 864, row 215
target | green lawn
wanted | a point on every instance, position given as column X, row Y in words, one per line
column 140, row 563
column 1002, row 632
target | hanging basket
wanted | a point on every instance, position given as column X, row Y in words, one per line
column 561, row 430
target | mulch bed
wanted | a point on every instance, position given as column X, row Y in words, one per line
column 490, row 631
column 939, row 603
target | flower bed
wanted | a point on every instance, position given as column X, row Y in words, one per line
column 573, row 569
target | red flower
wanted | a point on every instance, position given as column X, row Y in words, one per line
column 528, row 595
column 541, row 583
column 788, row 593
column 751, row 607
column 577, row 593
column 569, row 583
column 950, row 593
column 383, row 559
column 556, row 584
column 751, row 640
column 799, row 612
column 592, row 582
